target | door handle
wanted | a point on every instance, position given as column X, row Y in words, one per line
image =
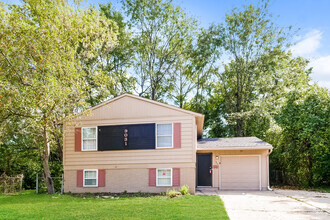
column 210, row 171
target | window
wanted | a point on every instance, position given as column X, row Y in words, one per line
column 90, row 177
column 164, row 177
column 89, row 139
column 164, row 136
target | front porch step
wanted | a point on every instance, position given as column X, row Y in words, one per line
column 207, row 191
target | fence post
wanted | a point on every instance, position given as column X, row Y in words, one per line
column 20, row 185
column 37, row 187
column 62, row 183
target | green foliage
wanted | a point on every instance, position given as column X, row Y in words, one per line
column 172, row 193
column 161, row 34
column 303, row 151
column 184, row 190
column 29, row 205
column 253, row 82
column 44, row 46
column 111, row 66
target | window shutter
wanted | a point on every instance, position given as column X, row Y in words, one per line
column 176, row 177
column 101, row 178
column 152, row 176
column 77, row 139
column 80, row 178
column 177, row 135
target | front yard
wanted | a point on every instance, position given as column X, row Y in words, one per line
column 28, row 205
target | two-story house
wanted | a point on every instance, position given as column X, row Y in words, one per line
column 136, row 144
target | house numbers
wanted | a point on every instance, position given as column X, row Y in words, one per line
column 125, row 137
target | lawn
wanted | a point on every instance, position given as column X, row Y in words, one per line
column 28, row 205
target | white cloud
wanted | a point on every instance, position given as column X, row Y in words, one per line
column 309, row 44
column 321, row 70
column 321, row 66
column 307, row 47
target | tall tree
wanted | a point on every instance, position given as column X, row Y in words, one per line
column 113, row 65
column 161, row 31
column 247, row 35
column 204, row 57
column 44, row 45
column 257, row 50
column 303, row 152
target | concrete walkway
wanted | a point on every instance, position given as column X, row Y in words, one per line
column 278, row 204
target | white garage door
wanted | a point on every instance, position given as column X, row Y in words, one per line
column 240, row 172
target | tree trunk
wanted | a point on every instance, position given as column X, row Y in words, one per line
column 239, row 128
column 45, row 160
column 239, row 122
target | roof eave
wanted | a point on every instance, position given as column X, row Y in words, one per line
column 237, row 148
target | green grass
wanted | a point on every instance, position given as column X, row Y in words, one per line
column 28, row 205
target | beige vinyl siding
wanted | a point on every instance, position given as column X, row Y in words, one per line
column 181, row 155
column 128, row 110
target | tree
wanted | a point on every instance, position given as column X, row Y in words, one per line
column 260, row 72
column 303, row 151
column 113, row 65
column 44, row 45
column 204, row 55
column 161, row 31
column 247, row 36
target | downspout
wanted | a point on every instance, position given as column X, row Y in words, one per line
column 218, row 162
column 268, row 186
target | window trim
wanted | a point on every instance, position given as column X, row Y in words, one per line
column 97, row 178
column 157, row 136
column 164, row 169
column 82, row 139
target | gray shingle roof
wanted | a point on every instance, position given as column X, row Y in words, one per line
column 232, row 143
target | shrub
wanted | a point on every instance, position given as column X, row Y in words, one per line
column 184, row 190
column 172, row 193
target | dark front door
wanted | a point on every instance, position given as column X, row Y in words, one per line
column 204, row 169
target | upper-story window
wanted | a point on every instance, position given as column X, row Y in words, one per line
column 164, row 136
column 89, row 139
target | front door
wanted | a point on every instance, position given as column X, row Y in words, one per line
column 204, row 169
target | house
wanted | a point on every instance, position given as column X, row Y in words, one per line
column 136, row 144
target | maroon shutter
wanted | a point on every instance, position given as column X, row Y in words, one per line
column 152, row 176
column 77, row 139
column 101, row 180
column 80, row 178
column 176, row 176
column 177, row 135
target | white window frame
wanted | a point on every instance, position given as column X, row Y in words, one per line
column 97, row 178
column 164, row 135
column 164, row 169
column 82, row 139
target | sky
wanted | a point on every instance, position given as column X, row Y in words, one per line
column 311, row 17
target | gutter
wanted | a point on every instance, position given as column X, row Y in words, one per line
column 235, row 148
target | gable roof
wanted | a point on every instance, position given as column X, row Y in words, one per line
column 199, row 117
column 235, row 143
column 150, row 101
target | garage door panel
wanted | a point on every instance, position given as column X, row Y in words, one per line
column 240, row 172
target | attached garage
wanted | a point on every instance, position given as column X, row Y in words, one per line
column 240, row 172
column 240, row 163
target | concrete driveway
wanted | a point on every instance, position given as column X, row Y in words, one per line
column 277, row 204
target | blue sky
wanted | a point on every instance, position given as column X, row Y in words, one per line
column 312, row 17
